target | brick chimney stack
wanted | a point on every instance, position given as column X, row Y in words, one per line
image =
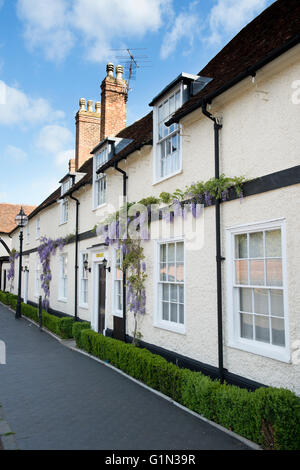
column 113, row 102
column 88, row 124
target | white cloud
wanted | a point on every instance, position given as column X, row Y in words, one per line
column 3, row 197
column 18, row 108
column 186, row 25
column 229, row 16
column 56, row 141
column 53, row 26
column 14, row 153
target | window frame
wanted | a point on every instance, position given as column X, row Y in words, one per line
column 158, row 321
column 98, row 177
column 63, row 289
column 156, row 141
column 116, row 311
column 64, row 203
column 281, row 353
column 83, row 304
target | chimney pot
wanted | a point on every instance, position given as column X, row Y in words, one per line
column 82, row 104
column 98, row 107
column 119, row 72
column 110, row 69
column 90, row 106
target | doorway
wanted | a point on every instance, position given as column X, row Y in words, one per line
column 101, row 297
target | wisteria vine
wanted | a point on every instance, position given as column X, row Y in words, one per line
column 47, row 249
column 11, row 272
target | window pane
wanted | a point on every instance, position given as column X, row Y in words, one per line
column 262, row 332
column 163, row 271
column 246, row 326
column 181, row 314
column 179, row 272
column 261, row 301
column 171, row 252
column 278, row 332
column 174, row 313
column 165, row 311
column 241, row 269
column 257, row 272
column 241, row 248
column 163, row 253
column 177, row 100
column 273, row 243
column 246, row 300
column 256, row 245
column 165, row 289
column 173, row 292
column 174, row 143
column 277, row 303
column 181, row 294
column 179, row 252
column 274, row 272
column 169, row 147
column 171, row 272
column 172, row 104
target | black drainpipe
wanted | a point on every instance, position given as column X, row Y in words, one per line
column 76, row 256
column 219, row 257
column 125, row 178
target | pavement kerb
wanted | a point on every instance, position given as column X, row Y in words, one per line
column 70, row 345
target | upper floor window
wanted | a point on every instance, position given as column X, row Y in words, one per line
column 64, row 211
column 259, row 295
column 38, row 228
column 167, row 139
column 66, row 185
column 63, row 277
column 99, row 179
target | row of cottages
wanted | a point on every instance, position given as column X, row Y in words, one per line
column 224, row 297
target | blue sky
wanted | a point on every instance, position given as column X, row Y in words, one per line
column 53, row 53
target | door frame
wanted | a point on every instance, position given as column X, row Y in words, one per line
column 96, row 261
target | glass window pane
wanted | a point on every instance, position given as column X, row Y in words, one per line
column 181, row 294
column 257, row 272
column 246, row 300
column 261, row 301
column 179, row 272
column 163, row 253
column 165, row 311
column 262, row 331
column 246, row 326
column 273, row 243
column 179, row 252
column 166, row 293
column 181, row 314
column 256, row 245
column 177, row 100
column 163, row 271
column 174, row 143
column 171, row 272
column 241, row 270
column 274, row 272
column 174, row 313
column 169, row 146
column 277, row 303
column 172, row 104
column 278, row 338
column 173, row 288
column 171, row 252
column 241, row 246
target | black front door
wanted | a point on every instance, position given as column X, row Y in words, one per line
column 101, row 299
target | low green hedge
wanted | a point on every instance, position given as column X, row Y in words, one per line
column 8, row 299
column 268, row 416
column 77, row 327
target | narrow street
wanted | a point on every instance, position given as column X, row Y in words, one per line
column 55, row 398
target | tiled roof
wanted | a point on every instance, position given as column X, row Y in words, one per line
column 276, row 28
column 8, row 213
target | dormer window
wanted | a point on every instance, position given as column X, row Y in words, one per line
column 66, row 185
column 99, row 179
column 167, row 147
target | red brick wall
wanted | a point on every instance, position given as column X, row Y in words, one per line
column 87, row 135
column 113, row 106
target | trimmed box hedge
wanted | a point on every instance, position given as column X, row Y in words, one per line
column 268, row 416
column 77, row 327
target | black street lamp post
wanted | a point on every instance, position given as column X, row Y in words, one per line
column 21, row 220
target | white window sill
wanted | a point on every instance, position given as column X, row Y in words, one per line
column 99, row 207
column 63, row 223
column 277, row 353
column 166, row 177
column 118, row 314
column 173, row 327
column 84, row 306
column 63, row 300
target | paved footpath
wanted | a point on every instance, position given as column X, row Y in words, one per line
column 56, row 398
